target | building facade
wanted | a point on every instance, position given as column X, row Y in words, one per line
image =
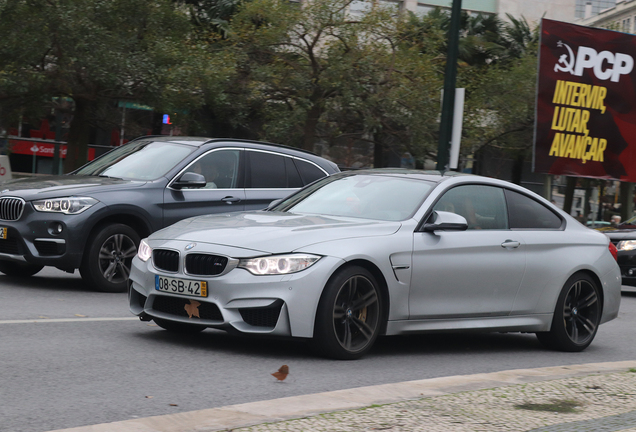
column 590, row 8
column 532, row 10
column 620, row 17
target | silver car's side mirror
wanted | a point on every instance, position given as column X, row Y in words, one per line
column 190, row 180
column 445, row 221
column 273, row 204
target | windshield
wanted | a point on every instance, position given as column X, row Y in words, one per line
column 379, row 197
column 140, row 160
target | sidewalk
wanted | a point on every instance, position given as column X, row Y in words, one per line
column 598, row 397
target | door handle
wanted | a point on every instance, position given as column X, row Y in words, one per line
column 230, row 199
column 510, row 244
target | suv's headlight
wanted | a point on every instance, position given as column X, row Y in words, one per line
column 626, row 245
column 67, row 205
column 144, row 252
column 278, row 264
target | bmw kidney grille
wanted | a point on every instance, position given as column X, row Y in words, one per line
column 11, row 208
column 204, row 264
column 166, row 260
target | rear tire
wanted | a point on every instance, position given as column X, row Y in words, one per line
column 108, row 257
column 576, row 317
column 19, row 269
column 177, row 327
column 349, row 315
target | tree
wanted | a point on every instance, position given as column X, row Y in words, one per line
column 318, row 73
column 97, row 53
column 501, row 98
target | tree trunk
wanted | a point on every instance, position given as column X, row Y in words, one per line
column 517, row 168
column 311, row 124
column 78, row 135
column 378, row 153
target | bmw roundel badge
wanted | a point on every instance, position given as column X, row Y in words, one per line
column 190, row 246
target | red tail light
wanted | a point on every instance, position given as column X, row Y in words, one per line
column 613, row 251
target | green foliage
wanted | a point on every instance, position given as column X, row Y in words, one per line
column 320, row 74
column 97, row 52
column 298, row 74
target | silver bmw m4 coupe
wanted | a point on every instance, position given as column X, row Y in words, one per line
column 383, row 252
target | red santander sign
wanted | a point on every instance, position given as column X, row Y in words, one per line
column 40, row 148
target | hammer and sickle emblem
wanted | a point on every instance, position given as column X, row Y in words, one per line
column 563, row 65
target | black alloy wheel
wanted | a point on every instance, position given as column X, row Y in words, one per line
column 349, row 314
column 108, row 260
column 577, row 315
column 115, row 257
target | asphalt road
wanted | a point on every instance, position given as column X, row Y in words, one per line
column 72, row 357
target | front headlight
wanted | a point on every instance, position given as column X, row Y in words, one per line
column 278, row 264
column 67, row 205
column 626, row 245
column 144, row 252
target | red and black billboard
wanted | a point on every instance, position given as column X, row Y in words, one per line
column 586, row 103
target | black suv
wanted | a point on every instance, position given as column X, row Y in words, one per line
column 94, row 217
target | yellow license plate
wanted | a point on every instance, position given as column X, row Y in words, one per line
column 181, row 286
column 3, row 233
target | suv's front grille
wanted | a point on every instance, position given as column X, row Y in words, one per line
column 167, row 260
column 10, row 245
column 11, row 208
column 204, row 264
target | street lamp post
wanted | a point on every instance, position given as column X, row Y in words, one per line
column 448, row 101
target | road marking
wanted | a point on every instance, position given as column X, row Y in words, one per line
column 61, row 320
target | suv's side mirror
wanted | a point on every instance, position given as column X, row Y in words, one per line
column 190, row 180
column 445, row 221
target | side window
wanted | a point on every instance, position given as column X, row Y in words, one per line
column 265, row 171
column 293, row 178
column 219, row 167
column 527, row 213
column 309, row 172
column 484, row 207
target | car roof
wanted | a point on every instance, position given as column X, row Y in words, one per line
column 199, row 141
column 428, row 175
column 260, row 145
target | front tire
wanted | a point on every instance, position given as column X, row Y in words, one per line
column 576, row 317
column 108, row 257
column 19, row 269
column 349, row 314
column 177, row 327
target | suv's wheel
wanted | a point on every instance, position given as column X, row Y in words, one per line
column 108, row 257
column 178, row 327
column 14, row 268
column 349, row 315
column 576, row 317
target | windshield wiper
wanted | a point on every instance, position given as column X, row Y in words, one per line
column 110, row 177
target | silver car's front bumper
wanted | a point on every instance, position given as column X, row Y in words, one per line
column 238, row 300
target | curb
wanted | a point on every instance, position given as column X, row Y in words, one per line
column 254, row 413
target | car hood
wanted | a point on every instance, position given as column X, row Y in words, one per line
column 272, row 232
column 620, row 234
column 55, row 186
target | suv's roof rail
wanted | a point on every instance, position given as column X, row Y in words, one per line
column 263, row 142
